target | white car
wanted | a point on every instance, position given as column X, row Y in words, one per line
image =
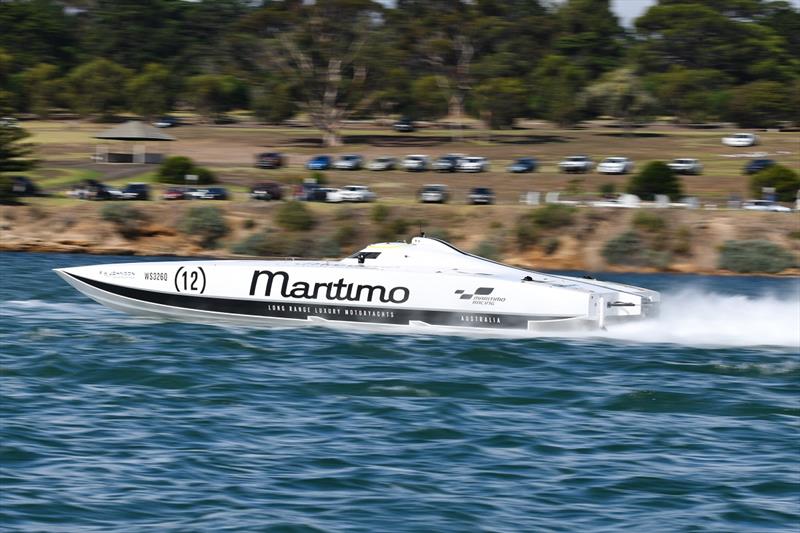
column 686, row 166
column 416, row 163
column 383, row 163
column 576, row 163
column 348, row 162
column 615, row 165
column 333, row 196
column 740, row 139
column 765, row 205
column 357, row 193
column 473, row 164
column 434, row 193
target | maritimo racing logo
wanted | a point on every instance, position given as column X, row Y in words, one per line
column 332, row 290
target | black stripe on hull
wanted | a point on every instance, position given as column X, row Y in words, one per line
column 303, row 311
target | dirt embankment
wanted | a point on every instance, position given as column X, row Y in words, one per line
column 688, row 240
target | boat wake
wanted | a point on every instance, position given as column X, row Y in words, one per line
column 697, row 318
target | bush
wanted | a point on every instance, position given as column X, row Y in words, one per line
column 526, row 232
column 488, row 248
column 319, row 178
column 345, row 234
column 628, row 249
column 389, row 231
column 607, row 190
column 785, row 181
column 551, row 245
column 655, row 178
column 206, row 223
column 126, row 218
column 754, row 256
column 175, row 169
column 649, row 222
column 379, row 213
column 255, row 244
column 294, row 216
column 553, row 216
column 7, row 195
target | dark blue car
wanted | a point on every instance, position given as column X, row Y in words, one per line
column 319, row 162
column 523, row 164
column 757, row 165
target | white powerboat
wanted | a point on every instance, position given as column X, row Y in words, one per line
column 424, row 283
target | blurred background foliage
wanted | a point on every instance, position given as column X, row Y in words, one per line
column 497, row 60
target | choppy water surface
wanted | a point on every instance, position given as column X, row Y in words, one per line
column 111, row 423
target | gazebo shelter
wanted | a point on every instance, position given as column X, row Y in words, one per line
column 137, row 133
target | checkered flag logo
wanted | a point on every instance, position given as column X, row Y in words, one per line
column 480, row 291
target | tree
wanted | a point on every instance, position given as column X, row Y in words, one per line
column 98, row 87
column 621, row 94
column 322, row 48
column 429, row 99
column 589, row 35
column 212, row 94
column 711, row 34
column 274, row 103
column 14, row 154
column 557, row 85
column 42, row 88
column 655, row 178
column 760, row 104
column 149, row 92
column 500, row 100
column 693, row 95
column 784, row 180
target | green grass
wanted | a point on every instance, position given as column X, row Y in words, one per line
column 66, row 177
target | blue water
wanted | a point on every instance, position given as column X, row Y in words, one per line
column 113, row 423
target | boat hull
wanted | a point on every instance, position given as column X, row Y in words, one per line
column 278, row 313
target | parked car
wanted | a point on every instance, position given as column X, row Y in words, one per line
column 270, row 160
column 757, row 165
column 174, row 193
column 741, row 139
column 523, row 164
column 214, row 193
column 764, row 205
column 9, row 122
column 24, row 186
column 383, row 163
column 415, row 163
column 166, row 121
column 686, row 166
column 311, row 192
column 434, row 193
column 357, row 193
column 576, row 163
column 615, row 165
column 319, row 162
column 349, row 162
column 136, row 191
column 481, row 195
column 333, row 196
column 473, row 164
column 94, row 190
column 268, row 190
column 404, row 125
column 447, row 163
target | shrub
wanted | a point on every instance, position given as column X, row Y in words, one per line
column 345, row 234
column 391, row 229
column 249, row 223
column 551, row 245
column 206, row 223
column 655, row 178
column 553, row 216
column 754, row 256
column 294, row 216
column 255, row 244
column 379, row 213
column 175, row 169
column 126, row 218
column 649, row 222
column 629, row 249
column 489, row 248
column 7, row 195
column 785, row 181
column 607, row 190
column 526, row 233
